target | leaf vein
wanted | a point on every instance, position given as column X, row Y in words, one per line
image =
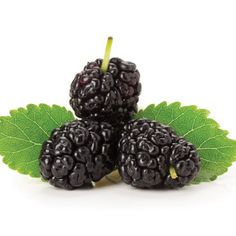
column 21, row 139
column 18, row 127
column 55, row 122
column 39, row 126
column 199, row 127
column 183, row 113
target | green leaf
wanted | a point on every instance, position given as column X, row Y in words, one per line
column 216, row 150
column 24, row 131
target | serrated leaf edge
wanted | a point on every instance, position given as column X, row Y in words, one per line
column 24, row 109
column 194, row 108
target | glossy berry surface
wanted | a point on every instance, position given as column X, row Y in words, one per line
column 78, row 153
column 111, row 96
column 148, row 151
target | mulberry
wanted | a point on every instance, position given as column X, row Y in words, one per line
column 151, row 155
column 106, row 95
column 78, row 153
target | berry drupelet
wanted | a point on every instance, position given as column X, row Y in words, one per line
column 78, row 153
column 106, row 90
column 151, row 155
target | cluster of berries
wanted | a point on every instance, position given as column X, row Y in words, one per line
column 147, row 154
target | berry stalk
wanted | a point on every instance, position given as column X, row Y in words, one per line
column 173, row 173
column 106, row 59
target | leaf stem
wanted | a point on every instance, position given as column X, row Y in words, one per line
column 106, row 59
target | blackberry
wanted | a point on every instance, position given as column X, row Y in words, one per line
column 109, row 93
column 151, row 155
column 78, row 153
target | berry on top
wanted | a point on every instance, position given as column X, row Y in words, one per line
column 106, row 90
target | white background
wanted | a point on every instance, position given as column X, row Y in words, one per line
column 185, row 51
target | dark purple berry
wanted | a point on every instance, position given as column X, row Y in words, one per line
column 78, row 153
column 106, row 96
column 151, row 155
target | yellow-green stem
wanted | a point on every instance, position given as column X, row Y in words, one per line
column 106, row 59
column 173, row 173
